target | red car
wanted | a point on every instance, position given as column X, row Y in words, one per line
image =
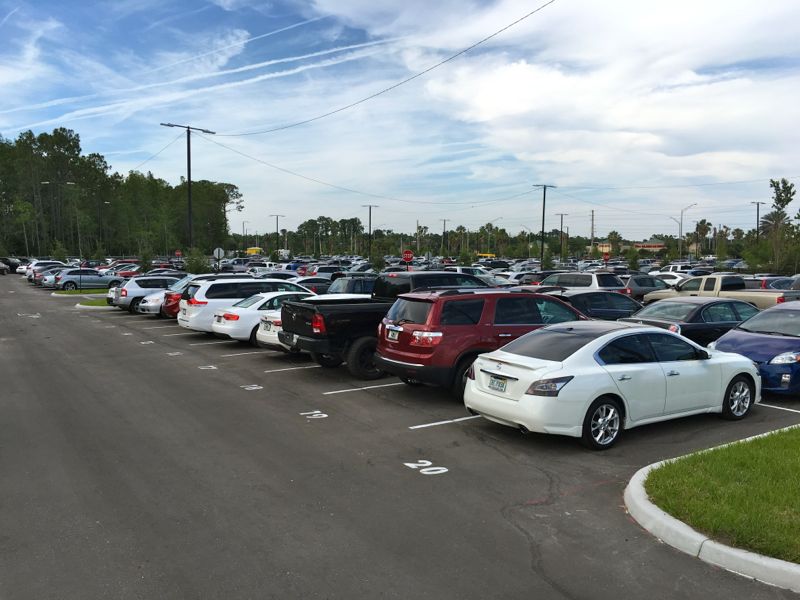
column 433, row 337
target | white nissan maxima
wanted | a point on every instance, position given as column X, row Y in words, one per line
column 593, row 379
column 241, row 321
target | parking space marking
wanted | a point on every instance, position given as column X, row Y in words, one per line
column 162, row 327
column 217, row 342
column 359, row 389
column 147, row 342
column 445, row 422
column 174, row 334
column 174, row 353
column 208, row 368
column 292, row 369
column 246, row 353
column 794, row 410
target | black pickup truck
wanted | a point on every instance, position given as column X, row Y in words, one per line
column 346, row 330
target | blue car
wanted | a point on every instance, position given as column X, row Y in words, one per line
column 771, row 339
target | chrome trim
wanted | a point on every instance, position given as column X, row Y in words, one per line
column 500, row 375
column 400, row 362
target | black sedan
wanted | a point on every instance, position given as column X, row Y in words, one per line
column 701, row 319
column 598, row 304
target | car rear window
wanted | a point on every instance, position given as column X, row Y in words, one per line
column 608, row 280
column 550, row 344
column 409, row 311
column 247, row 302
column 462, row 312
column 679, row 311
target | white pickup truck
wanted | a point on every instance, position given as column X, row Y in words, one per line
column 725, row 286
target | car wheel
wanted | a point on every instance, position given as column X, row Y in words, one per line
column 134, row 305
column 602, row 424
column 411, row 382
column 361, row 359
column 70, row 286
column 328, row 361
column 738, row 398
column 253, row 339
column 460, row 378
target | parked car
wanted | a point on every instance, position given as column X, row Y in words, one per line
column 771, row 339
column 468, row 270
column 41, row 265
column 352, row 285
column 433, row 337
column 270, row 273
column 326, row 271
column 769, row 283
column 51, row 277
column 242, row 320
column 79, row 279
column 593, row 379
column 596, row 280
column 725, row 286
column 152, row 303
column 51, row 271
column 636, row 286
column 129, row 295
column 4, row 268
column 670, row 279
column 318, row 285
column 701, row 320
column 598, row 304
column 201, row 299
column 11, row 264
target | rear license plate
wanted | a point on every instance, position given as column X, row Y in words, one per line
column 218, row 319
column 183, row 311
column 497, row 384
column 266, row 326
column 392, row 334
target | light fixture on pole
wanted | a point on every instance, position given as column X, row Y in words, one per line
column 680, row 236
column 189, row 130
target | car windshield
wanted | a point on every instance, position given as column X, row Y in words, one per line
column 677, row 311
column 247, row 302
column 774, row 322
column 550, row 344
column 409, row 311
column 180, row 285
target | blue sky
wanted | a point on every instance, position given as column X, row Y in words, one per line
column 624, row 106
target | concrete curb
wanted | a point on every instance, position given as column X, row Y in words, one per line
column 81, row 307
column 678, row 534
column 54, row 295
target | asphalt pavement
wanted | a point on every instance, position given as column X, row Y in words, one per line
column 140, row 460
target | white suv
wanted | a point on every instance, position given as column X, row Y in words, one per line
column 202, row 298
column 583, row 280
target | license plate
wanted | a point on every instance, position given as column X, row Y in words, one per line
column 183, row 311
column 266, row 326
column 497, row 384
column 218, row 319
column 391, row 334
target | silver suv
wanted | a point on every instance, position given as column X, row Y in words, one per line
column 129, row 295
column 585, row 281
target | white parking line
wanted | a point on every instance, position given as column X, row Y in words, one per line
column 445, row 422
column 358, row 389
column 292, row 369
column 162, row 327
column 174, row 334
column 246, row 353
column 794, row 410
column 209, row 343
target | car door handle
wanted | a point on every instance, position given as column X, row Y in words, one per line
column 504, row 334
column 672, row 373
column 624, row 378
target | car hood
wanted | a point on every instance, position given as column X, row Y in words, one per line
column 759, row 347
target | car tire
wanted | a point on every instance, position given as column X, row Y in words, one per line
column 361, row 359
column 602, row 425
column 253, row 340
column 134, row 305
column 738, row 399
column 327, row 361
column 460, row 378
column 70, row 286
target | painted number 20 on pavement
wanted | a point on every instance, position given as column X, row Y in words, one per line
column 424, row 467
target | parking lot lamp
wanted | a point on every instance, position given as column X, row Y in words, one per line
column 680, row 235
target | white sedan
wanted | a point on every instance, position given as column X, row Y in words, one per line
column 592, row 379
column 241, row 321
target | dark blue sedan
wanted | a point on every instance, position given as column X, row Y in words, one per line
column 771, row 339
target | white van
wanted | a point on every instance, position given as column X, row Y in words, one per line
column 202, row 298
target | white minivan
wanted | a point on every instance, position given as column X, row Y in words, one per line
column 202, row 298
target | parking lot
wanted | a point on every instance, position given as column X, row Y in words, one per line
column 142, row 460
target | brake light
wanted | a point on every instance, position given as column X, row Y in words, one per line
column 194, row 302
column 277, row 322
column 230, row 317
column 780, row 300
column 426, row 338
column 675, row 328
column 123, row 292
column 471, row 371
column 58, row 278
column 318, row 324
column 392, row 275
column 626, row 291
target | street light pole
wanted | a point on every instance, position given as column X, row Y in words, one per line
column 244, row 243
column 544, row 203
column 277, row 232
column 561, row 237
column 758, row 218
column 680, row 237
column 189, row 130
column 369, row 237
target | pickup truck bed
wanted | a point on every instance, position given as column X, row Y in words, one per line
column 725, row 286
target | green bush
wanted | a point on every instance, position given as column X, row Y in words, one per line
column 196, row 262
column 59, row 252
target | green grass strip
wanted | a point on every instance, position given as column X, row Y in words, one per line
column 94, row 302
column 745, row 495
column 81, row 292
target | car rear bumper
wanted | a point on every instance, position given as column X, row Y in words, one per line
column 442, row 376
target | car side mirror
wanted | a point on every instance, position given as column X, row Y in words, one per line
column 703, row 355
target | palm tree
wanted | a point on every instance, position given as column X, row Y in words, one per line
column 615, row 239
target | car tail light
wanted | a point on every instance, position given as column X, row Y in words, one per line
column 194, row 302
column 426, row 338
column 318, row 324
column 548, row 387
column 123, row 292
column 58, row 278
column 230, row 317
column 277, row 322
column 626, row 291
column 675, row 328
column 471, row 371
column 763, row 284
column 780, row 300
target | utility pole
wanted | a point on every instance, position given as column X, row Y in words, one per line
column 758, row 218
column 561, row 236
column 544, row 204
column 680, row 237
column 189, row 130
column 591, row 243
column 277, row 232
column 369, row 237
column 244, row 241
column 444, row 233
column 417, row 237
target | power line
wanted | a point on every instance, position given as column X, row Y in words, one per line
column 681, row 185
column 147, row 160
column 396, row 85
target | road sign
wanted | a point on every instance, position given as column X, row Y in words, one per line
column 606, row 256
column 219, row 253
column 408, row 256
column 178, row 253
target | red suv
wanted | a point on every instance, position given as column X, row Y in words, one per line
column 433, row 337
